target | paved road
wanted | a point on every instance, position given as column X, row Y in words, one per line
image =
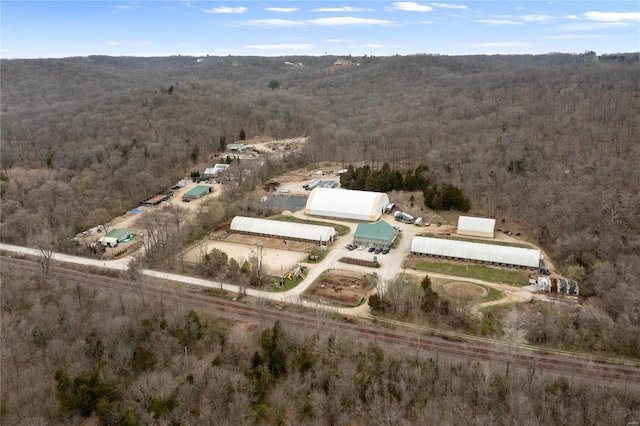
column 391, row 265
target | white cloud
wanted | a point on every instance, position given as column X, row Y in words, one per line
column 535, row 18
column 226, row 10
column 427, row 22
column 448, row 5
column 124, row 6
column 282, row 9
column 274, row 23
column 335, row 40
column 342, row 9
column 573, row 36
column 279, row 46
column 372, row 46
column 502, row 44
column 410, row 6
column 571, row 17
column 320, row 22
column 347, row 20
column 588, row 26
column 613, row 16
column 499, row 22
column 114, row 43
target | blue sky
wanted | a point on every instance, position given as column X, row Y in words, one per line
column 46, row 29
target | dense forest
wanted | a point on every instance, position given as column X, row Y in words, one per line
column 73, row 354
column 549, row 143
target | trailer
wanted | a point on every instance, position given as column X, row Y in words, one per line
column 403, row 217
column 108, row 242
column 418, row 222
column 312, row 184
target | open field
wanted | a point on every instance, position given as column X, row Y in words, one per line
column 241, row 250
column 340, row 287
column 485, row 273
column 273, row 259
column 465, row 290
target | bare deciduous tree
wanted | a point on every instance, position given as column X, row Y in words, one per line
column 45, row 245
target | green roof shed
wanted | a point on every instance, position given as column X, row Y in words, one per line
column 379, row 233
column 198, row 191
column 119, row 234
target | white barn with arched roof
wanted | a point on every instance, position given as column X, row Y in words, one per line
column 346, row 204
column 464, row 250
column 280, row 229
column 476, row 226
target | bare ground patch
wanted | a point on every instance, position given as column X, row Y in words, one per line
column 269, row 242
column 465, row 290
column 340, row 287
column 277, row 255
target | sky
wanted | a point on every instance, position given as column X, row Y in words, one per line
column 55, row 29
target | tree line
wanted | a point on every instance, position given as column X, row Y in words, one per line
column 437, row 196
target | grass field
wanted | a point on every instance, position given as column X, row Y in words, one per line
column 288, row 284
column 483, row 273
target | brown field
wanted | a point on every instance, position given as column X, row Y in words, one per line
column 241, row 247
column 269, row 242
column 340, row 287
column 465, row 290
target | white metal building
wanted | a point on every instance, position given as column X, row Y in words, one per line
column 211, row 172
column 463, row 250
column 476, row 226
column 346, row 204
column 276, row 228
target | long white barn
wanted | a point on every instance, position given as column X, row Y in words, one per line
column 276, row 228
column 346, row 204
column 476, row 226
column 463, row 250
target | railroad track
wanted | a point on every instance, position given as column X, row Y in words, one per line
column 550, row 362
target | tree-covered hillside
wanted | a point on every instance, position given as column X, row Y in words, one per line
column 549, row 142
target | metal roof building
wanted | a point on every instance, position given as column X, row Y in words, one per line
column 346, row 204
column 119, row 234
column 463, row 250
column 379, row 234
column 476, row 226
column 240, row 147
column 213, row 171
column 198, row 191
column 280, row 229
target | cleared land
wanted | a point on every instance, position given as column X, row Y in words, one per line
column 340, row 287
column 484, row 273
column 241, row 247
column 465, row 290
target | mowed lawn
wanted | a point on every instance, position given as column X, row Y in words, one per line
column 484, row 273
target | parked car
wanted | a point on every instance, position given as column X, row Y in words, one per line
column 186, row 200
column 378, row 250
column 372, row 249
